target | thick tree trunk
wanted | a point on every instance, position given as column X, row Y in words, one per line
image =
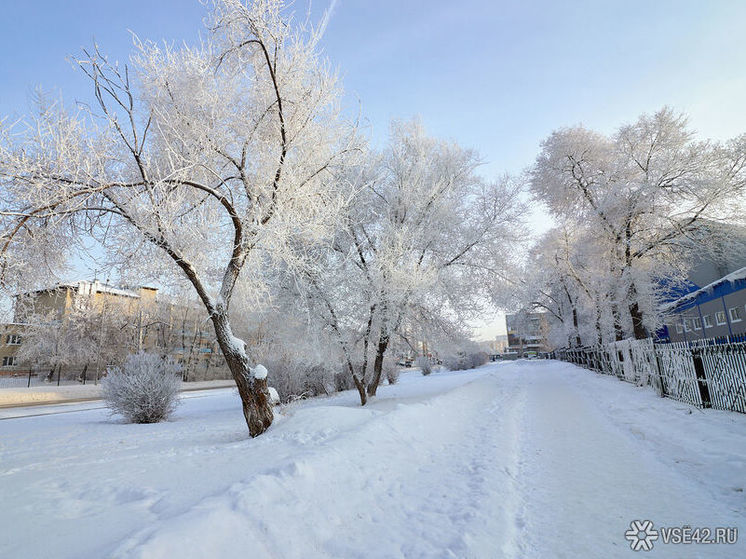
column 383, row 344
column 257, row 405
column 360, row 382
column 360, row 385
column 599, row 330
column 576, row 327
column 618, row 332
column 636, row 314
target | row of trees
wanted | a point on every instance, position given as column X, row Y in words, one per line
column 230, row 164
column 416, row 251
column 633, row 211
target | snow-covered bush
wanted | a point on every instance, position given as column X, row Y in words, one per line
column 456, row 362
column 343, row 381
column 478, row 359
column 144, row 390
column 391, row 371
column 293, row 378
column 465, row 360
column 424, row 364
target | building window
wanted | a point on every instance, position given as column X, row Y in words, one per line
column 9, row 361
column 708, row 321
column 720, row 318
column 735, row 314
column 13, row 339
column 697, row 323
column 679, row 328
column 688, row 327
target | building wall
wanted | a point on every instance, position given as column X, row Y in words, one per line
column 153, row 323
column 52, row 303
column 527, row 332
column 720, row 312
column 11, row 338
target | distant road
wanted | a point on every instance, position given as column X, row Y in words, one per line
column 71, row 405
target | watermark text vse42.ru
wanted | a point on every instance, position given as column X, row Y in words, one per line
column 643, row 535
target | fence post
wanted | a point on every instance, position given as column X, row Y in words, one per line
column 699, row 370
column 658, row 384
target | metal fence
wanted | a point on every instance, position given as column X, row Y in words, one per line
column 705, row 373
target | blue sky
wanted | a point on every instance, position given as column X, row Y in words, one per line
column 494, row 76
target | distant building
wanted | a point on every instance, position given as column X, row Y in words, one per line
column 501, row 343
column 717, row 309
column 496, row 346
column 56, row 302
column 527, row 333
column 710, row 303
column 153, row 322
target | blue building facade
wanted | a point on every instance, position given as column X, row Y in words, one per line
column 716, row 310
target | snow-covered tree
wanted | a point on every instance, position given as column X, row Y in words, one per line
column 424, row 237
column 46, row 347
column 210, row 161
column 566, row 277
column 81, row 343
column 644, row 192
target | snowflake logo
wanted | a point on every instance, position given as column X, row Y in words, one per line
column 641, row 535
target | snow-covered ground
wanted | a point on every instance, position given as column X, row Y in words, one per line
column 523, row 459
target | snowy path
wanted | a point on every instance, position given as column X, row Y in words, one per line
column 583, row 480
column 527, row 459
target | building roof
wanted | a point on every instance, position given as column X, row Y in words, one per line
column 727, row 284
column 85, row 286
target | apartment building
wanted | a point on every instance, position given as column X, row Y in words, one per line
column 527, row 333
column 110, row 322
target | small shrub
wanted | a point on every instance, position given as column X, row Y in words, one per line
column 343, row 381
column 424, row 364
column 455, row 362
column 462, row 361
column 144, row 390
column 391, row 371
column 294, row 377
column 478, row 359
